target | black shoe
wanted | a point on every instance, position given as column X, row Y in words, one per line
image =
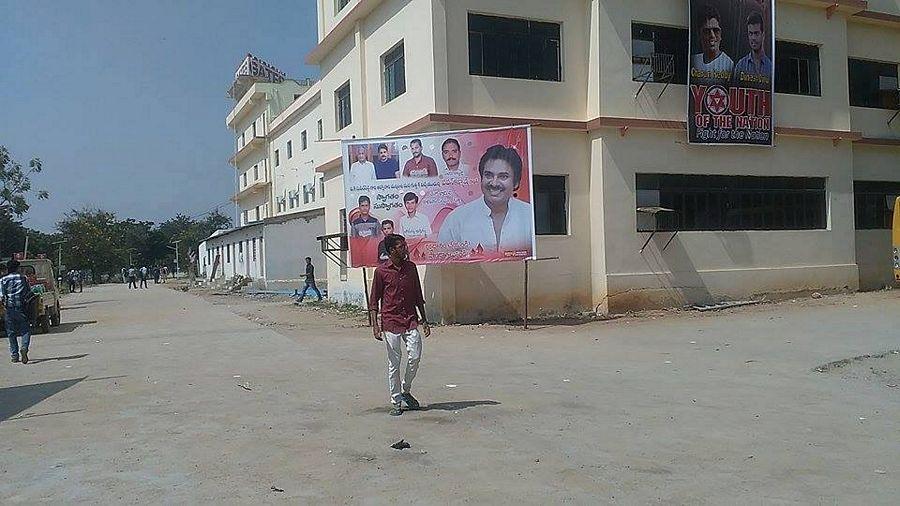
column 14, row 360
column 411, row 402
column 396, row 410
column 24, row 357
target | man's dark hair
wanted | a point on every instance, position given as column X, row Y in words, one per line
column 391, row 241
column 508, row 155
column 365, row 199
column 755, row 18
column 383, row 146
column 451, row 140
column 709, row 12
column 411, row 196
column 387, row 222
column 12, row 266
column 416, row 141
column 309, row 259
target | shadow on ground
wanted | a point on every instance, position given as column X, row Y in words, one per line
column 14, row 400
column 48, row 359
column 70, row 326
column 456, row 406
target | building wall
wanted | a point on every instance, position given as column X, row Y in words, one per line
column 239, row 263
column 706, row 266
column 873, row 247
column 299, row 170
column 880, row 43
column 518, row 97
column 287, row 244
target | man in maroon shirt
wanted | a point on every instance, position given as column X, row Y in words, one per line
column 419, row 165
column 396, row 286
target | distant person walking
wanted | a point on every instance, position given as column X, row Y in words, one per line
column 310, row 282
column 132, row 277
column 16, row 294
column 156, row 275
column 144, row 273
column 79, row 278
column 397, row 289
column 70, row 278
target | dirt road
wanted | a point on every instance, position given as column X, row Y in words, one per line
column 162, row 396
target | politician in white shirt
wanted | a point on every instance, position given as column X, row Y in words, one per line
column 362, row 171
column 497, row 221
column 414, row 223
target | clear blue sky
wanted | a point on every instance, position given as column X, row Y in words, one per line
column 125, row 101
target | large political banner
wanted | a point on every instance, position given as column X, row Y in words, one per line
column 457, row 197
column 732, row 50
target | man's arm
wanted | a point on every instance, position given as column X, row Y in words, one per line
column 420, row 306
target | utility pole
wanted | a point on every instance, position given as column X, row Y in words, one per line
column 176, row 254
column 58, row 245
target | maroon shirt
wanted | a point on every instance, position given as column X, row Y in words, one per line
column 399, row 291
column 425, row 167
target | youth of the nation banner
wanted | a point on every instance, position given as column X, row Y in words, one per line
column 457, row 197
column 731, row 70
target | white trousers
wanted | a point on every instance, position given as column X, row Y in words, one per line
column 394, row 343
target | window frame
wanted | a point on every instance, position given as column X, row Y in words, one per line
column 339, row 5
column 850, row 86
column 560, row 56
column 876, row 193
column 290, row 149
column 728, row 203
column 338, row 101
column 320, row 129
column 779, row 61
column 681, row 66
column 303, row 141
column 388, row 71
column 277, row 158
column 538, row 193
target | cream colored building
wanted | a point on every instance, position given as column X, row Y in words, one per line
column 279, row 195
column 806, row 214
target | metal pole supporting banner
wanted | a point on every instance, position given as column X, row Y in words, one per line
column 366, row 289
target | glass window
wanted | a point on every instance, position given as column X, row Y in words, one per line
column 341, row 4
column 303, row 142
column 713, row 202
column 319, row 130
column 394, row 73
column 797, row 68
column 321, row 187
column 550, row 205
column 342, row 106
column 874, row 203
column 254, row 249
column 659, row 53
column 873, row 84
column 277, row 158
column 290, row 150
column 517, row 48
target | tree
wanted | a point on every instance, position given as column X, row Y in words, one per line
column 15, row 187
column 95, row 241
column 190, row 233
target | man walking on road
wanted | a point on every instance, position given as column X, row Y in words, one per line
column 16, row 294
column 144, row 273
column 132, row 277
column 397, row 288
column 310, row 282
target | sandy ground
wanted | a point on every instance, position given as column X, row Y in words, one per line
column 162, row 396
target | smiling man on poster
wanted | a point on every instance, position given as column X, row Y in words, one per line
column 497, row 221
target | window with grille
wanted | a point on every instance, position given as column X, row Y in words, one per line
column 713, row 202
column 874, row 203
column 550, row 205
column 303, row 142
column 342, row 106
column 797, row 68
column 290, row 150
column 341, row 4
column 516, row 48
column 393, row 73
column 659, row 53
column 277, row 158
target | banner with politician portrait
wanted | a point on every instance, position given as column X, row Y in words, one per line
column 730, row 75
column 457, row 197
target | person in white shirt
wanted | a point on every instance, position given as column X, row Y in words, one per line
column 414, row 223
column 362, row 171
column 497, row 221
column 453, row 168
column 712, row 61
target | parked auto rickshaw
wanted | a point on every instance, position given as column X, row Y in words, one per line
column 43, row 310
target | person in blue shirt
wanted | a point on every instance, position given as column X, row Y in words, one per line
column 755, row 69
column 386, row 166
column 16, row 294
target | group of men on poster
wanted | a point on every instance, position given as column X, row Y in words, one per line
column 497, row 221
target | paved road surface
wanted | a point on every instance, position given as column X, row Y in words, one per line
column 135, row 399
